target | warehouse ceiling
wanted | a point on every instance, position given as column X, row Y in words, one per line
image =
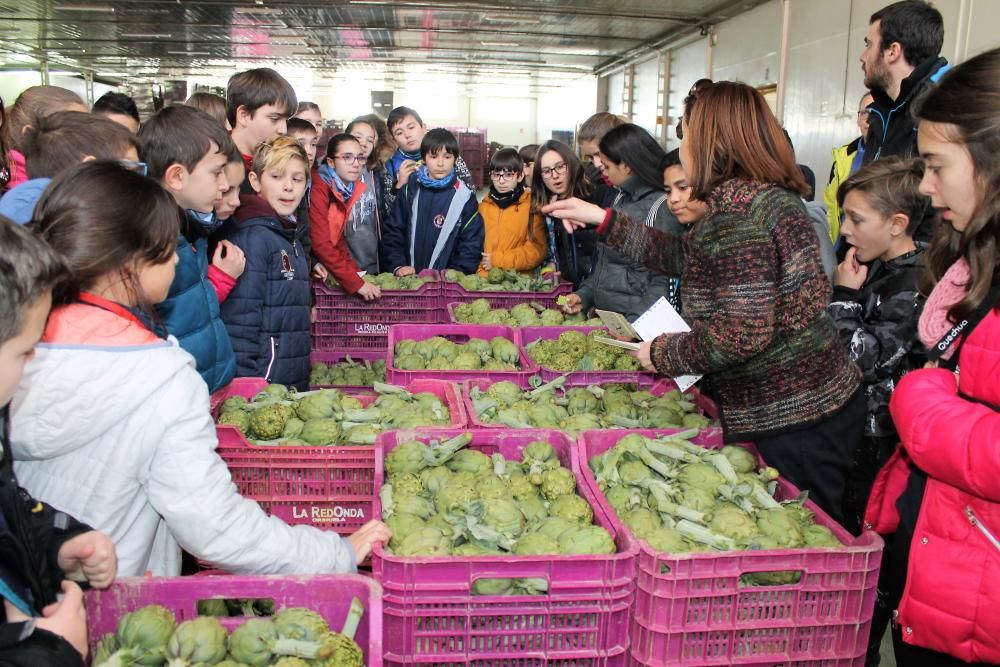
column 549, row 40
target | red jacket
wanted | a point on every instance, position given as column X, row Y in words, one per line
column 951, row 602
column 327, row 216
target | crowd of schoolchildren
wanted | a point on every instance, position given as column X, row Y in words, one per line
column 143, row 266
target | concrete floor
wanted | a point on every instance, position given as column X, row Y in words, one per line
column 887, row 657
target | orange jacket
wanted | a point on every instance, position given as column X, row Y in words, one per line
column 507, row 241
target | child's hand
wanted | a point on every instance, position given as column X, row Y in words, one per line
column 850, row 273
column 233, row 263
column 487, row 263
column 365, row 538
column 91, row 557
column 370, row 292
column 407, row 169
column 645, row 356
column 67, row 618
column 320, row 272
column 404, row 271
column 573, row 305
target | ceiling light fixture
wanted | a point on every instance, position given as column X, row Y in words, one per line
column 146, row 35
column 84, row 8
column 494, row 18
column 113, row 74
column 190, row 53
column 500, row 43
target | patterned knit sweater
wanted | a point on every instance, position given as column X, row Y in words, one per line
column 755, row 296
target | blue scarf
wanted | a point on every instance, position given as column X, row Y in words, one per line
column 331, row 178
column 435, row 184
column 397, row 159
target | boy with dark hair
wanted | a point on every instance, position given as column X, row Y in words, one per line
column 58, row 142
column 435, row 223
column 259, row 103
column 307, row 135
column 408, row 130
column 186, row 151
column 44, row 551
column 876, row 304
column 120, row 108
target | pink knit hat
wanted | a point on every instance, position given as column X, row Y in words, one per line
column 951, row 289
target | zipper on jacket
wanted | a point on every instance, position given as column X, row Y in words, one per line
column 295, row 247
column 270, row 364
column 974, row 520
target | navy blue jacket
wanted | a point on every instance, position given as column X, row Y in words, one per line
column 191, row 310
column 267, row 313
column 463, row 249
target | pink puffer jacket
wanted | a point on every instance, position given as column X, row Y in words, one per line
column 951, row 602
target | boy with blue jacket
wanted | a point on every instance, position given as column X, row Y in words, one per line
column 267, row 313
column 435, row 222
column 186, row 151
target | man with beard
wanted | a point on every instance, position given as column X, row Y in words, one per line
column 899, row 61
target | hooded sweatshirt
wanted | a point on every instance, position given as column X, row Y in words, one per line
column 130, row 450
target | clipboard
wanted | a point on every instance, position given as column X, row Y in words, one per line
column 661, row 318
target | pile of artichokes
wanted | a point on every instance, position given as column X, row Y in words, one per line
column 679, row 497
column 439, row 353
column 522, row 315
column 294, row 637
column 348, row 372
column 387, row 281
column 500, row 280
column 583, row 408
column 577, row 351
column 324, row 417
column 441, row 499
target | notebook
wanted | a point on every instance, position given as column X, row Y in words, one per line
column 661, row 318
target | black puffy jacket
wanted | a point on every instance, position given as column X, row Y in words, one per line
column 31, row 535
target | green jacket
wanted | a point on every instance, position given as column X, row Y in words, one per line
column 843, row 158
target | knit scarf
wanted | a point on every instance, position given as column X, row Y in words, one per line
column 434, row 183
column 505, row 199
column 415, row 155
column 333, row 179
column 951, row 289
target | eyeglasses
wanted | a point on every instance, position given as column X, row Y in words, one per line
column 560, row 168
column 505, row 175
column 864, row 113
column 137, row 167
column 350, row 157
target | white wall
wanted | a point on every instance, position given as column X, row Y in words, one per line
column 647, row 79
column 824, row 79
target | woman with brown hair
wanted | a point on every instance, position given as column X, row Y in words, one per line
column 754, row 294
column 559, row 174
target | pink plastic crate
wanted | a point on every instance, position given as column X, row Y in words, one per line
column 459, row 333
column 333, row 356
column 426, row 295
column 431, row 617
column 328, row 595
column 692, row 609
column 453, row 292
column 705, row 405
column 372, row 341
column 582, row 378
column 327, row 487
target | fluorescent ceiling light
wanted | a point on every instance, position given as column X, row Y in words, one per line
column 146, row 35
column 112, row 74
column 500, row 43
column 256, row 10
column 190, row 53
column 495, row 18
column 84, row 8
